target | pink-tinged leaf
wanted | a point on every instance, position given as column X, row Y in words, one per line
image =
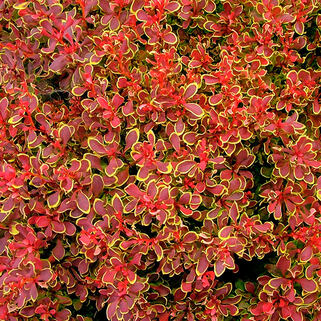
column 185, row 211
column 152, row 189
column 58, row 251
column 143, row 173
column 210, row 7
column 175, row 141
column 185, row 198
column 195, row 109
column 109, row 276
column 115, row 122
column 151, row 137
column 136, row 5
column 179, row 127
column 316, row 106
column 190, row 237
column 190, row 138
column 113, row 166
column 99, row 207
column 170, row 38
column 283, row 264
column 216, row 99
column 33, row 292
column 53, row 200
column 117, row 204
column 299, row 27
column 8, row 204
column 164, row 168
column 42, row 221
column 97, row 185
column 244, row 133
column 27, row 312
column 63, row 315
column 58, row 64
column 190, row 91
column 210, row 80
column 65, row 133
column 83, row 203
column 225, row 232
column 117, row 101
column 278, row 212
column 219, row 268
column 78, row 91
column 293, row 76
column 128, row 108
column 158, row 251
column 123, row 306
column 58, row 227
column 4, row 103
column 114, row 23
column 103, row 102
column 15, row 119
column 67, row 184
column 306, row 254
column 236, row 196
column 105, row 6
column 217, row 190
column 122, row 82
column 172, row 6
column 185, row 166
column 195, row 64
column 97, row 146
column 45, row 275
column 234, row 212
column 134, row 191
column 202, row 264
column 83, row 267
column 186, row 287
column 308, row 285
column 126, row 244
column 276, row 282
column 70, row 228
column 131, row 138
column 142, row 15
column 263, row 228
column 296, row 316
column 137, row 287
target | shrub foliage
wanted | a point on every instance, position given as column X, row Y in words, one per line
column 160, row 160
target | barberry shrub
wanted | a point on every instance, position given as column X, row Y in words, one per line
column 160, row 160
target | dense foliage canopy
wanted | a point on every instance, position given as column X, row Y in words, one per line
column 160, row 160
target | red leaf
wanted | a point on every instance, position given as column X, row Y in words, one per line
column 133, row 190
column 58, row 64
column 283, row 264
column 97, row 146
column 170, row 38
column 308, row 285
column 190, row 91
column 195, row 109
column 225, row 232
column 190, row 237
column 83, row 202
column 65, row 133
column 131, row 138
column 202, row 264
column 58, row 251
column 4, row 103
column 306, row 254
column 53, row 199
column 175, row 141
column 185, row 166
